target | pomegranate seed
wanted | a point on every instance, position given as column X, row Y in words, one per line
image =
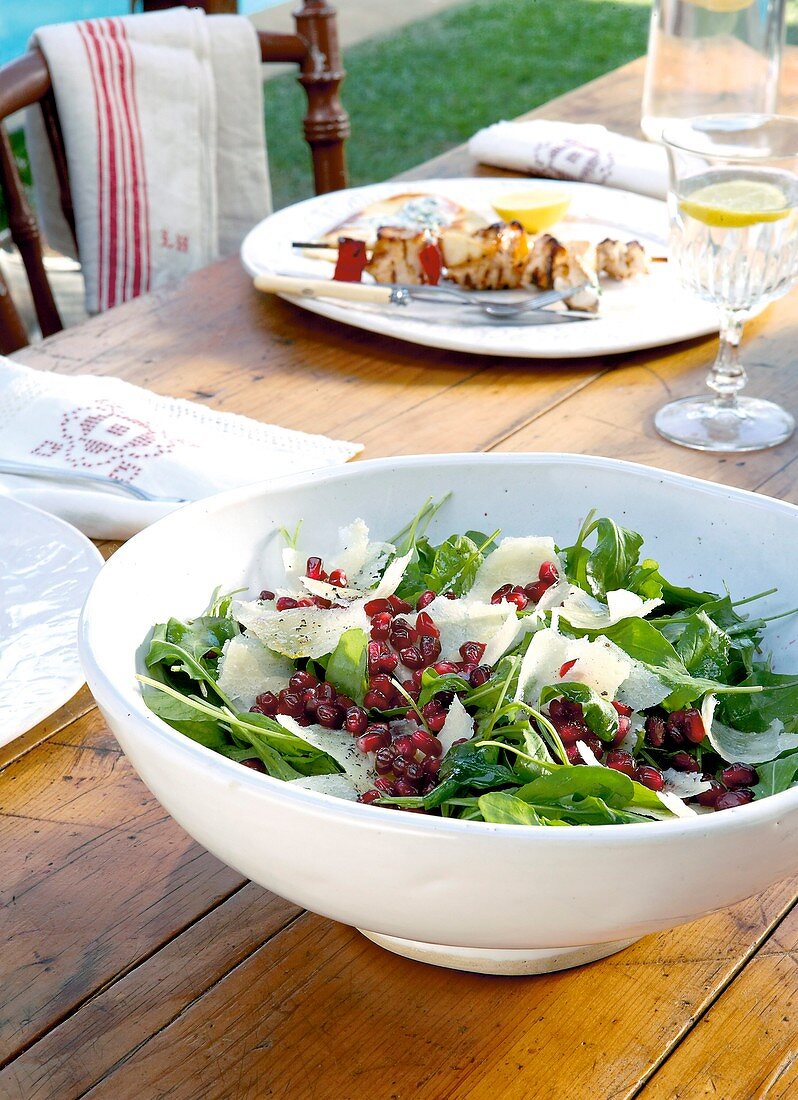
column 383, row 760
column 254, row 764
column 266, row 594
column 404, row 745
column 426, row 743
column 684, row 762
column 655, row 731
column 518, row 598
column 376, row 607
column 436, row 723
column 411, row 657
column 624, row 725
column 286, row 603
column 573, row 755
column 693, row 727
column 356, row 720
column 711, row 796
column 400, row 606
column 400, row 763
column 382, row 683
column 417, row 677
column 384, row 785
column 500, row 593
column 319, row 601
column 650, row 777
column 621, row 762
column 432, row 765
column 566, row 668
column 369, row 796
column 344, row 702
column 739, row 775
column 425, row 627
column 425, row 599
column 314, row 569
column 430, row 649
column 330, row 716
column 414, row 771
column 291, row 703
column 310, row 701
column 375, row 737
column 266, row 703
column 325, row 693
column 471, row 652
column 622, row 708
column 548, row 573
column 381, row 626
column 444, row 668
column 480, row 675
column 375, row 700
column 729, row 799
column 404, row 788
column 570, row 733
column 301, row 680
column 536, row 591
column 338, row 578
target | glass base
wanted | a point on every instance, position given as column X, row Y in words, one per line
column 704, row 424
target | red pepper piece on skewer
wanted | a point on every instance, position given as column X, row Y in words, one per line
column 351, row 260
column 431, row 262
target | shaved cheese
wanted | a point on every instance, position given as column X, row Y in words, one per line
column 247, row 668
column 642, row 688
column 338, row 786
column 514, row 561
column 599, row 664
column 707, row 712
column 391, row 578
column 588, row 755
column 751, row 748
column 459, row 723
column 359, row 558
column 584, row 612
column 301, row 631
column 470, row 620
column 358, row 766
column 685, row 784
column 673, row 803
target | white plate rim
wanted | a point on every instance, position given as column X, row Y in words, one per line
column 68, row 687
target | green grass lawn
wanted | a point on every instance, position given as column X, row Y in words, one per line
column 428, row 87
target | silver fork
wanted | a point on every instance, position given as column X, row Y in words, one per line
column 403, row 294
column 31, row 469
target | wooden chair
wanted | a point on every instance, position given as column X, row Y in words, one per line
column 25, row 81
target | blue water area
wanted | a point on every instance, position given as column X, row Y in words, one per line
column 19, row 19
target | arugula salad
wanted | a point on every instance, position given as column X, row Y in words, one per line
column 486, row 678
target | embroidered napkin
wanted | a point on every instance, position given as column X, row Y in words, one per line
column 574, row 151
column 162, row 117
column 168, row 447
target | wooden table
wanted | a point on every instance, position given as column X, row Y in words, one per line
column 134, row 964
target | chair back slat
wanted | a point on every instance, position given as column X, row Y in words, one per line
column 26, row 81
column 25, row 235
column 52, row 126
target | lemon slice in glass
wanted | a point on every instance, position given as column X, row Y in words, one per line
column 536, row 209
column 735, row 203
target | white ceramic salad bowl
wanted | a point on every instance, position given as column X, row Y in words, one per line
column 476, row 896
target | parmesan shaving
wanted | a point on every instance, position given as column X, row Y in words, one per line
column 470, row 620
column 247, row 668
column 514, row 561
column 301, row 631
column 459, row 723
column 338, row 786
column 358, row 766
column 685, row 784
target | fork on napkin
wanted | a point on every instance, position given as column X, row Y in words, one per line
column 574, row 151
column 171, row 449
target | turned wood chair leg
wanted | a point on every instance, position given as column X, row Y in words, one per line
column 12, row 331
column 326, row 122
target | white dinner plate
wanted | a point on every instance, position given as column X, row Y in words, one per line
column 46, row 570
column 649, row 311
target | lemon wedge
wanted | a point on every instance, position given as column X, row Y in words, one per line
column 735, row 203
column 537, row 209
column 722, row 5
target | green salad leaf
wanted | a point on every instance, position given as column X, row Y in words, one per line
column 776, row 776
column 600, row 715
column 347, row 669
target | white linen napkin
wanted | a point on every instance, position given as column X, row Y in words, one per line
column 574, row 151
column 162, row 118
column 168, row 447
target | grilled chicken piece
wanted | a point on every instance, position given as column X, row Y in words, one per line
column 619, row 260
column 395, row 257
column 545, row 253
column 493, row 258
column 576, row 264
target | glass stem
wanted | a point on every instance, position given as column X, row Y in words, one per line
column 728, row 376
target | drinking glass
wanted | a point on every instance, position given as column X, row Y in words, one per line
column 733, row 205
column 711, row 56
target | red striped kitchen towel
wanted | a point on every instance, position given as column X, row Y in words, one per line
column 162, row 120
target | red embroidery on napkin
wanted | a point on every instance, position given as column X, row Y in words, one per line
column 103, row 437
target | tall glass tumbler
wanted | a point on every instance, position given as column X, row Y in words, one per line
column 733, row 205
column 711, row 57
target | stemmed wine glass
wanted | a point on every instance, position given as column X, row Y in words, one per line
column 733, row 204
